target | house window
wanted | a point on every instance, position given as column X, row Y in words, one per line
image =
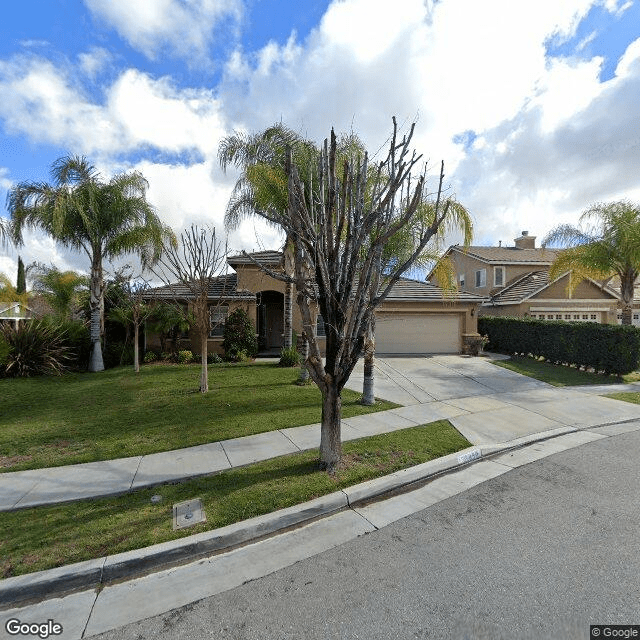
column 217, row 318
column 498, row 276
column 567, row 316
column 585, row 316
column 461, row 280
column 320, row 327
column 481, row 278
column 558, row 316
column 550, row 316
column 593, row 316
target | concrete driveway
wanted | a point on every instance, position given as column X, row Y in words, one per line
column 486, row 403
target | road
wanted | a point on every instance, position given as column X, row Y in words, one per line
column 540, row 552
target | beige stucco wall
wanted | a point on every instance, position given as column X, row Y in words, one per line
column 585, row 290
column 468, row 265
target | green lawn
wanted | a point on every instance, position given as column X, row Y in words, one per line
column 82, row 417
column 558, row 375
column 627, row 396
column 45, row 537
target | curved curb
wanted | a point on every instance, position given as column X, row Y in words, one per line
column 95, row 574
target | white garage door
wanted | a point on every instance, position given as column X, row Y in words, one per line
column 417, row 333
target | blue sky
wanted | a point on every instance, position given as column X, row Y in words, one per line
column 534, row 105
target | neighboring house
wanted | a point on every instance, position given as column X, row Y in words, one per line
column 514, row 281
column 14, row 312
column 415, row 318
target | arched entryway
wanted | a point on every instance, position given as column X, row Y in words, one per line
column 270, row 320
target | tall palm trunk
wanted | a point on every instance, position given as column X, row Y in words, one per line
column 627, row 290
column 369, row 364
column 96, row 302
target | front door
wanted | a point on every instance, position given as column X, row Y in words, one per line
column 271, row 320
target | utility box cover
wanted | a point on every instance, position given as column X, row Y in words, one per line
column 188, row 513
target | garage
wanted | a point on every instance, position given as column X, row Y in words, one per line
column 418, row 333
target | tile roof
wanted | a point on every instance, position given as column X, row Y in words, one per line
column 502, row 255
column 408, row 289
column 220, row 287
column 522, row 288
column 267, row 258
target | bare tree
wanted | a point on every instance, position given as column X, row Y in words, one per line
column 339, row 221
column 190, row 269
column 133, row 308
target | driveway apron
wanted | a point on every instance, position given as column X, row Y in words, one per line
column 486, row 403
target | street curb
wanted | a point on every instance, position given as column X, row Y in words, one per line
column 93, row 574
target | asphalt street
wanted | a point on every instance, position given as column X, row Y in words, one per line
column 540, row 552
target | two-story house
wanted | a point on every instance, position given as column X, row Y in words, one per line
column 514, row 281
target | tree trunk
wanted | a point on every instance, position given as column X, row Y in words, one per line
column 96, row 363
column 304, row 354
column 204, row 371
column 136, row 348
column 627, row 314
column 330, row 437
column 368, row 398
column 288, row 316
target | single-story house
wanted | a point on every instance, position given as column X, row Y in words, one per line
column 417, row 317
column 14, row 312
column 514, row 281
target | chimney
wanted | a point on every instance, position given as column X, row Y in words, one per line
column 525, row 241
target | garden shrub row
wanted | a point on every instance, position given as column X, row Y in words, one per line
column 604, row 347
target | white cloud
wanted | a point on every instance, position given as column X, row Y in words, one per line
column 41, row 102
column 94, row 61
column 525, row 171
column 152, row 112
column 47, row 105
column 179, row 27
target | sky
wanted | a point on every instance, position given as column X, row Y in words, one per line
column 534, row 105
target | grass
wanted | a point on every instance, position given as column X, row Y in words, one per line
column 627, row 396
column 45, row 537
column 559, row 375
column 84, row 417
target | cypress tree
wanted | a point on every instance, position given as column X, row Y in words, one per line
column 21, row 285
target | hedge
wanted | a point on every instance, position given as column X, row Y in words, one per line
column 605, row 347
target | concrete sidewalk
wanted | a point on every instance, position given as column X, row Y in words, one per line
column 487, row 404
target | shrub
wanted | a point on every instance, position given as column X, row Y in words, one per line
column 150, row 356
column 239, row 336
column 167, row 356
column 37, row 347
column 605, row 347
column 289, row 357
column 117, row 354
column 185, row 357
column 213, row 358
column 77, row 338
column 5, row 350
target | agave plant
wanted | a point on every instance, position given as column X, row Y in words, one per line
column 37, row 347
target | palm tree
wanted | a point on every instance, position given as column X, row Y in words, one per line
column 84, row 213
column 607, row 246
column 261, row 189
column 60, row 289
